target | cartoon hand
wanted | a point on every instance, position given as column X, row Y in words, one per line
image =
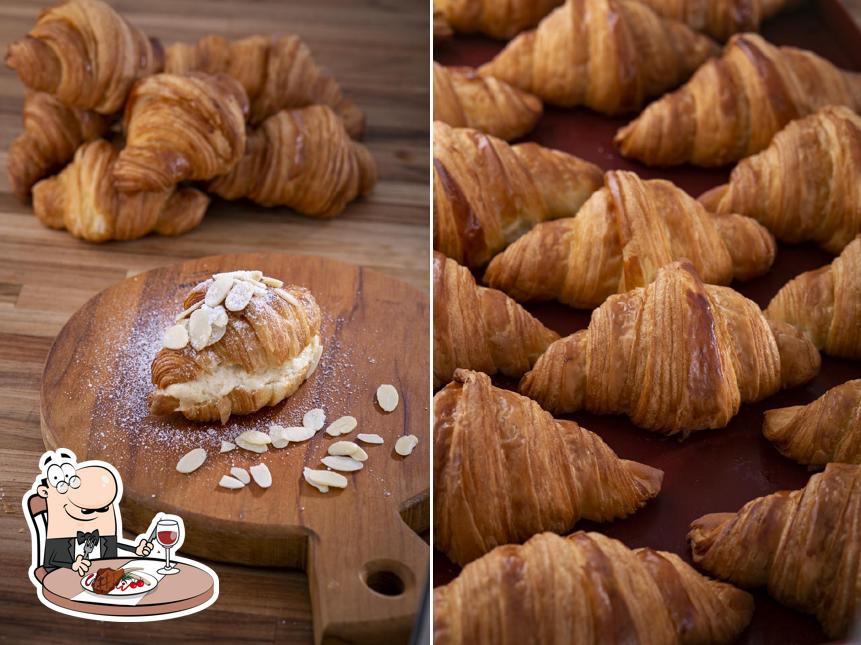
column 143, row 547
column 80, row 566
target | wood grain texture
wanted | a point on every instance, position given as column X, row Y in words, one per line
column 378, row 51
column 374, row 331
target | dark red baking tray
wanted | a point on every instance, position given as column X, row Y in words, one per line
column 716, row 470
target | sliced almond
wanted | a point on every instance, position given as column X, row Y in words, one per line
column 324, row 478
column 275, row 283
column 314, row 419
column 241, row 474
column 191, row 461
column 296, row 435
column 289, row 297
column 254, row 436
column 230, row 482
column 216, row 335
column 387, row 397
column 218, row 290
column 239, row 296
column 404, row 445
column 343, row 448
column 217, row 315
column 251, row 447
column 359, row 454
column 199, row 329
column 187, row 312
column 262, row 476
column 344, row 464
column 278, row 434
column 342, row 425
column 175, row 337
column 227, row 446
column 370, row 438
column 253, row 276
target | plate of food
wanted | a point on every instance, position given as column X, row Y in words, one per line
column 119, row 582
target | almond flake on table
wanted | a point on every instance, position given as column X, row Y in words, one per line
column 218, row 290
column 239, row 296
column 255, row 436
column 296, row 435
column 279, row 437
column 404, row 445
column 323, row 479
column 227, row 446
column 343, row 448
column 251, row 447
column 175, row 337
column 199, row 329
column 370, row 438
column 387, row 397
column 230, row 482
column 342, row 425
column 191, row 461
column 344, row 464
column 241, row 474
column 262, row 476
column 314, row 419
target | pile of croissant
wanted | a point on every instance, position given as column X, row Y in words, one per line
column 122, row 136
column 670, row 344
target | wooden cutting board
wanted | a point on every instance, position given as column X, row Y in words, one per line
column 365, row 560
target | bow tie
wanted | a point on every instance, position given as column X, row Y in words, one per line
column 89, row 538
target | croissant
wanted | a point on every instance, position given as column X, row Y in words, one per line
column 733, row 106
column 804, row 545
column 244, row 341
column 83, row 200
column 52, row 133
column 586, row 589
column 806, row 185
column 590, row 52
column 718, row 18
column 303, row 159
column 179, row 128
column 504, row 470
column 85, row 54
column 675, row 356
column 276, row 73
column 487, row 193
column 619, row 239
column 462, row 98
column 480, row 329
column 826, row 304
column 829, row 429
column 495, row 18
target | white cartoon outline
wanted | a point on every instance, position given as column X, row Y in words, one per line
column 35, row 544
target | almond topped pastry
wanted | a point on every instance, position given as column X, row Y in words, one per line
column 244, row 341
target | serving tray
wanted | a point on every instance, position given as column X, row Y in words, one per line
column 716, row 470
column 366, row 562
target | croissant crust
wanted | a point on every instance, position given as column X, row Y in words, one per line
column 492, row 17
column 718, row 18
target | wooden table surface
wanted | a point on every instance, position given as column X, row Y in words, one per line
column 378, row 51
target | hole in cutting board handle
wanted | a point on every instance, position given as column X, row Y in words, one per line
column 387, row 577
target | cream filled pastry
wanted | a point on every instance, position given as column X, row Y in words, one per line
column 244, row 341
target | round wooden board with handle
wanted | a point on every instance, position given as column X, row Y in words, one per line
column 365, row 561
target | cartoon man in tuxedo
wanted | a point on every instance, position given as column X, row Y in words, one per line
column 82, row 514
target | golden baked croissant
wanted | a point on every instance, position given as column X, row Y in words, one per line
column 487, row 193
column 675, row 356
column 619, row 239
column 462, row 98
column 52, row 133
column 718, row 18
column 806, row 185
column 804, row 545
column 733, row 106
column 179, row 128
column 826, row 430
column 303, row 159
column 244, row 341
column 586, row 589
column 826, row 304
column 496, row 18
column 590, row 52
column 83, row 200
column 85, row 54
column 480, row 329
column 504, row 470
column 276, row 73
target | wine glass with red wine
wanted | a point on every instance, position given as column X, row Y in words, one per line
column 167, row 534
